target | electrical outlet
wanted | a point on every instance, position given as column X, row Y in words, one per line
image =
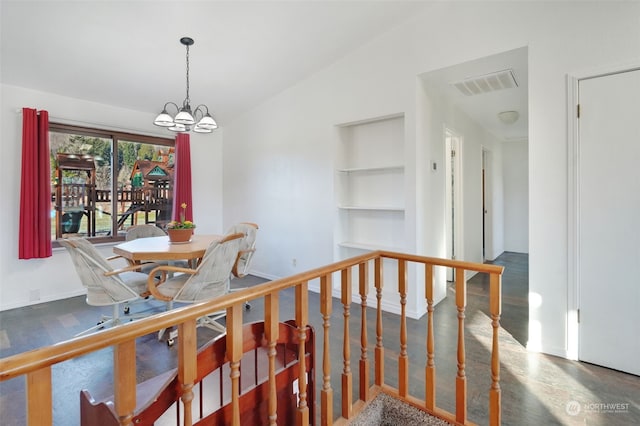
column 294, row 262
column 34, row 295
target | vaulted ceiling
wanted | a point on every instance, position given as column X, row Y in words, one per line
column 128, row 54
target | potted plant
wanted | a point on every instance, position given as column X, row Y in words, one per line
column 182, row 230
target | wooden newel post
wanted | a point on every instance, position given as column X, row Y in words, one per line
column 461, row 379
column 347, row 391
column 430, row 370
column 363, row 277
column 326, row 393
column 379, row 349
column 302, row 319
column 124, row 377
column 39, row 403
column 271, row 334
column 234, row 354
column 495, row 309
column 187, row 365
column 403, row 359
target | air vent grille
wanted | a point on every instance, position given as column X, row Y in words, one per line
column 486, row 83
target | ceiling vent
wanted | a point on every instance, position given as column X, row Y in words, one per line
column 487, row 83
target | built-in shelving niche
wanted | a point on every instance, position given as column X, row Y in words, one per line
column 370, row 196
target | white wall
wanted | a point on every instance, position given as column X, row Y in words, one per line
column 516, row 189
column 54, row 277
column 283, row 150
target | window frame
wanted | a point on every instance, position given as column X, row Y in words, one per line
column 116, row 137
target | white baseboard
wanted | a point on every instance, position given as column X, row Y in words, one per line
column 372, row 302
column 555, row 351
column 50, row 298
column 264, row 275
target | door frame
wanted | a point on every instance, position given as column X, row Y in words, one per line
column 487, row 203
column 573, row 278
column 453, row 226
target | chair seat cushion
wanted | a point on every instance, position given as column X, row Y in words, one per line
column 172, row 286
column 136, row 281
column 197, row 291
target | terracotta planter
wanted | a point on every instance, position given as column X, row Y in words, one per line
column 179, row 235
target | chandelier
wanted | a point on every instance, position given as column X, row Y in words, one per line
column 185, row 119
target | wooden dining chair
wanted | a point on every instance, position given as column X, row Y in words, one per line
column 143, row 231
column 245, row 254
column 247, row 247
column 105, row 285
column 209, row 280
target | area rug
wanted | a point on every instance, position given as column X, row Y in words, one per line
column 386, row 410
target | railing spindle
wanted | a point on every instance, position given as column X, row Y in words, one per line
column 234, row 354
column 495, row 309
column 124, row 379
column 347, row 385
column 326, row 394
column 363, row 282
column 271, row 332
column 302, row 319
column 403, row 358
column 379, row 349
column 187, row 366
column 39, row 404
column 461, row 379
column 430, row 369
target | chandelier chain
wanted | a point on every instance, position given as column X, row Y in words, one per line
column 187, row 100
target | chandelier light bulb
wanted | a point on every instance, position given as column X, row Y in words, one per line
column 184, row 117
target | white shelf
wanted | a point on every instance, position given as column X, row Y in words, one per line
column 371, row 120
column 374, row 208
column 372, row 169
column 367, row 247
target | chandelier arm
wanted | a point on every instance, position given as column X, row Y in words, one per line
column 199, row 110
column 171, row 103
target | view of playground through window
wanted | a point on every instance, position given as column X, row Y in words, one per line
column 89, row 166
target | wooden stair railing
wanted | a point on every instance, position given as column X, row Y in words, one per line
column 36, row 364
column 158, row 396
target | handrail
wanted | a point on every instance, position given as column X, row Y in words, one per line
column 36, row 363
column 19, row 364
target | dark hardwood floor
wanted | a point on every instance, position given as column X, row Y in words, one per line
column 536, row 388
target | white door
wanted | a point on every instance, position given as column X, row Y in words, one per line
column 609, row 221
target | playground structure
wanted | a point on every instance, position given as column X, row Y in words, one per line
column 76, row 197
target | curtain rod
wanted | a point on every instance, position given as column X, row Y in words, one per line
column 101, row 126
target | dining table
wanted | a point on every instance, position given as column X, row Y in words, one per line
column 161, row 249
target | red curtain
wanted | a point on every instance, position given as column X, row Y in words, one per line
column 182, row 178
column 35, row 187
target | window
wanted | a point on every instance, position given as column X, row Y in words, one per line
column 103, row 182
